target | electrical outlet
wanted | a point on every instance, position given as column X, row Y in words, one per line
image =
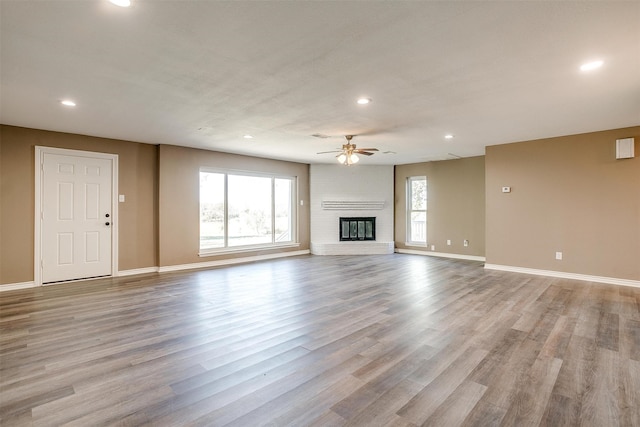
column 559, row 255
column 433, row 247
column 448, row 242
column 506, row 189
column 466, row 242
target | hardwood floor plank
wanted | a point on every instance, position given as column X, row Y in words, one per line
column 11, row 406
column 242, row 369
column 457, row 406
column 561, row 411
column 328, row 419
column 319, row 405
column 578, row 369
column 599, row 403
column 629, row 393
column 383, row 410
column 630, row 339
column 264, row 400
column 493, row 365
column 559, row 337
column 376, row 385
column 531, row 400
column 426, row 402
column 484, row 414
column 503, row 388
column 607, row 335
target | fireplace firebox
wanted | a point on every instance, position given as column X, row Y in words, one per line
column 357, row 228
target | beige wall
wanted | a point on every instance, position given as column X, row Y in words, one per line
column 455, row 205
column 179, row 200
column 571, row 195
column 137, row 165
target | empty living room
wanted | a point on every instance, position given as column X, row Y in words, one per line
column 370, row 213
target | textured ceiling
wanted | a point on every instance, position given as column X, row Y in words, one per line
column 205, row 73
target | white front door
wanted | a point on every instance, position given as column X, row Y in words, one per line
column 76, row 217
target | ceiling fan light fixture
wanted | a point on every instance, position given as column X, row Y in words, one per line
column 348, row 155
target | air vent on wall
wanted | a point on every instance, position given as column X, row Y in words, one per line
column 624, row 148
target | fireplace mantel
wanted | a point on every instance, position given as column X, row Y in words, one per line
column 352, row 204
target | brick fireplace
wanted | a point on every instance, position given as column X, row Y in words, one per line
column 356, row 194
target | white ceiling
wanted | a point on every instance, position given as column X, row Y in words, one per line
column 205, row 73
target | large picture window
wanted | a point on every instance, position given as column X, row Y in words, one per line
column 417, row 210
column 240, row 211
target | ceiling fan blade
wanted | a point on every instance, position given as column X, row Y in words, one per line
column 368, row 149
column 326, row 152
column 366, row 153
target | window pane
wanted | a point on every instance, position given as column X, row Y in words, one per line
column 249, row 213
column 284, row 217
column 419, row 227
column 418, row 194
column 211, row 210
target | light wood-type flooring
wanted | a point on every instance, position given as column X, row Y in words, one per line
column 390, row 340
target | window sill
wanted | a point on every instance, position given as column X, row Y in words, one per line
column 416, row 245
column 245, row 249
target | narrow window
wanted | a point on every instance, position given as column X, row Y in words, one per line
column 417, row 210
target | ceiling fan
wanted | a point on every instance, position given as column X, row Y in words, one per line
column 349, row 153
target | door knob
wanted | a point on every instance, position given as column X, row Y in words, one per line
column 107, row 215
column 107, row 223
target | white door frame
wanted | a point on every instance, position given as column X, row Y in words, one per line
column 39, row 161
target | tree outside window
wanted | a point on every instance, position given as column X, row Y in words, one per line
column 417, row 210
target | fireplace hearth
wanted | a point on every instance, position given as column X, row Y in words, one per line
column 357, row 228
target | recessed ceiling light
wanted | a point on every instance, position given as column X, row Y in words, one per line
column 121, row 3
column 248, row 137
column 363, row 101
column 448, row 136
column 591, row 65
column 68, row 103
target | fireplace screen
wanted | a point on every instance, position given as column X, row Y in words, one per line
column 358, row 228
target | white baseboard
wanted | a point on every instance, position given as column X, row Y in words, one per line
column 231, row 261
column 440, row 254
column 146, row 270
column 16, row 286
column 564, row 275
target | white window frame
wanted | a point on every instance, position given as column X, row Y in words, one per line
column 293, row 242
column 410, row 210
